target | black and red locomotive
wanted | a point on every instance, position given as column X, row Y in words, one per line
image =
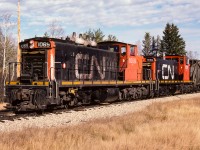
column 56, row 72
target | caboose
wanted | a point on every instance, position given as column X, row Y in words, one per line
column 56, row 72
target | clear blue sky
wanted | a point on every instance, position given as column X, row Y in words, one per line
column 127, row 19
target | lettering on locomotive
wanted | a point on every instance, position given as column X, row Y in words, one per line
column 31, row 44
column 24, row 46
column 43, row 44
column 93, row 63
column 167, row 72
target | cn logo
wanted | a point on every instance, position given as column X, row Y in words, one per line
column 167, row 72
column 93, row 62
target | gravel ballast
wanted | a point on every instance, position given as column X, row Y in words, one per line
column 75, row 117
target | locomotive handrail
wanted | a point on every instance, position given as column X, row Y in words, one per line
column 125, row 62
column 55, row 80
column 15, row 64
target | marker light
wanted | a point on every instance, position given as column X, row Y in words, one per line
column 64, row 65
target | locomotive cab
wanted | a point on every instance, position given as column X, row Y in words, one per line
column 182, row 67
column 130, row 63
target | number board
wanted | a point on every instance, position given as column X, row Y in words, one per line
column 149, row 59
column 35, row 44
column 24, row 45
column 41, row 44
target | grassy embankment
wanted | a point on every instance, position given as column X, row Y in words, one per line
column 172, row 125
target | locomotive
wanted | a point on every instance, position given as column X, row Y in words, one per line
column 61, row 73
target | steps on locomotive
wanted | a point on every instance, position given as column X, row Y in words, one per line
column 121, row 75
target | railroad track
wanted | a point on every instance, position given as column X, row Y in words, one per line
column 7, row 115
column 68, row 117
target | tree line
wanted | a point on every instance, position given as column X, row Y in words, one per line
column 55, row 30
column 172, row 43
column 8, row 48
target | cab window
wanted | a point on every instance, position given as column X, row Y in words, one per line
column 132, row 52
column 123, row 50
column 114, row 48
column 181, row 60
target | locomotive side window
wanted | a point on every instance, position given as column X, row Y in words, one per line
column 123, row 50
column 105, row 47
column 114, row 48
column 132, row 51
column 181, row 60
column 175, row 59
column 111, row 48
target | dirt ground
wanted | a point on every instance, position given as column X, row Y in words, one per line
column 2, row 106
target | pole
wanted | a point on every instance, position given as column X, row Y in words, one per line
column 18, row 40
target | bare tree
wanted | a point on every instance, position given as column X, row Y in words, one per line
column 5, row 23
column 7, row 46
column 139, row 45
column 6, row 40
column 55, row 30
column 158, row 43
column 192, row 54
column 112, row 38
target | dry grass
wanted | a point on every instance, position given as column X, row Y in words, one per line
column 2, row 106
column 173, row 125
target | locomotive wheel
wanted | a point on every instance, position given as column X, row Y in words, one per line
column 144, row 92
column 172, row 91
column 73, row 102
column 151, row 94
column 139, row 93
column 99, row 96
column 132, row 93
